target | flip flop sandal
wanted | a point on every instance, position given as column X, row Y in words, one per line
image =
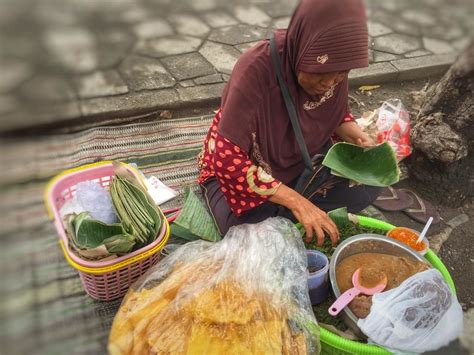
column 393, row 200
column 421, row 210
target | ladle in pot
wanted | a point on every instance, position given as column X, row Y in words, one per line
column 344, row 299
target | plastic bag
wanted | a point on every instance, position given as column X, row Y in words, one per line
column 393, row 126
column 96, row 200
column 422, row 314
column 246, row 294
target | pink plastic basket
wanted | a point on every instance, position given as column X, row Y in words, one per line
column 107, row 280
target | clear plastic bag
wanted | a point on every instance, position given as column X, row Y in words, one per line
column 422, row 314
column 246, row 294
column 393, row 126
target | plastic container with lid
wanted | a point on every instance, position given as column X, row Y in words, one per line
column 318, row 283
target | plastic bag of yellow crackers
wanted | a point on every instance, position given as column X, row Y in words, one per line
column 246, row 294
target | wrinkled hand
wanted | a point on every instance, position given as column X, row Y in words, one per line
column 350, row 132
column 315, row 221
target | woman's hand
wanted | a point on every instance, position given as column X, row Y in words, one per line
column 314, row 220
column 350, row 132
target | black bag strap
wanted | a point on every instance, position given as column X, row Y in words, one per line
column 290, row 107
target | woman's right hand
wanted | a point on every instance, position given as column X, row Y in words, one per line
column 314, row 220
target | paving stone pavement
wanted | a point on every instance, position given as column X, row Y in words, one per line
column 71, row 60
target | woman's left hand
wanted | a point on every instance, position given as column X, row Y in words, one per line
column 350, row 132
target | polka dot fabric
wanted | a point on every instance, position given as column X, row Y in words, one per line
column 244, row 185
column 348, row 118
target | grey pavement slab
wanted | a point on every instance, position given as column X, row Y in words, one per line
column 237, row 34
column 111, row 57
column 190, row 25
column 217, row 19
column 169, row 45
column 198, row 94
column 396, row 43
column 155, row 28
column 221, row 56
column 100, row 83
column 143, row 73
column 188, row 66
column 208, row 79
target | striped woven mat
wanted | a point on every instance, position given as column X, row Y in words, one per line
column 43, row 308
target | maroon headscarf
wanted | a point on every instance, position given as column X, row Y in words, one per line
column 323, row 36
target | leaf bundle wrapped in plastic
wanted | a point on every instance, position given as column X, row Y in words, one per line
column 375, row 166
column 246, row 294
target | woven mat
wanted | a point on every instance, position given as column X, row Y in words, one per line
column 43, row 308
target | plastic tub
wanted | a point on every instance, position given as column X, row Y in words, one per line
column 332, row 343
column 318, row 283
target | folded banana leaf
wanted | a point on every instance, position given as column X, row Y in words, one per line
column 140, row 218
column 88, row 233
column 119, row 244
column 339, row 216
column 194, row 221
column 95, row 240
column 375, row 166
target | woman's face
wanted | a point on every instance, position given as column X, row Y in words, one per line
column 317, row 84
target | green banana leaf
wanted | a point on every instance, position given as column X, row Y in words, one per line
column 151, row 211
column 120, row 244
column 194, row 221
column 375, row 166
column 99, row 253
column 140, row 218
column 339, row 216
column 90, row 233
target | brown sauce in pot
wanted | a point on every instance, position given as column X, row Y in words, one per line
column 373, row 268
column 396, row 268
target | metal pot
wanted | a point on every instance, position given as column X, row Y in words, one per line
column 365, row 243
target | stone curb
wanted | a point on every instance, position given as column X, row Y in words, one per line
column 143, row 102
column 402, row 70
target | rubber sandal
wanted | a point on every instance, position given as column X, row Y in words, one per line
column 393, row 200
column 421, row 210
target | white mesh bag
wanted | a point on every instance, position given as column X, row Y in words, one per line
column 422, row 314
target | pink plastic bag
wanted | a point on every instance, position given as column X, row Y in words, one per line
column 393, row 126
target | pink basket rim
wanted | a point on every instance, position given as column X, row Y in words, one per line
column 92, row 264
column 59, row 225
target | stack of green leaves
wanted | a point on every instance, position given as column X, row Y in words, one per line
column 140, row 223
column 139, row 216
column 93, row 239
column 374, row 166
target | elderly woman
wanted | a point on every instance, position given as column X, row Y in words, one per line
column 252, row 160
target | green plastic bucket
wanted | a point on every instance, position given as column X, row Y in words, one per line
column 332, row 343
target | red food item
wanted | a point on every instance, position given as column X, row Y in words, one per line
column 408, row 237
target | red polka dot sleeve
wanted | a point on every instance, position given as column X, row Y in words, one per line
column 347, row 118
column 244, row 184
